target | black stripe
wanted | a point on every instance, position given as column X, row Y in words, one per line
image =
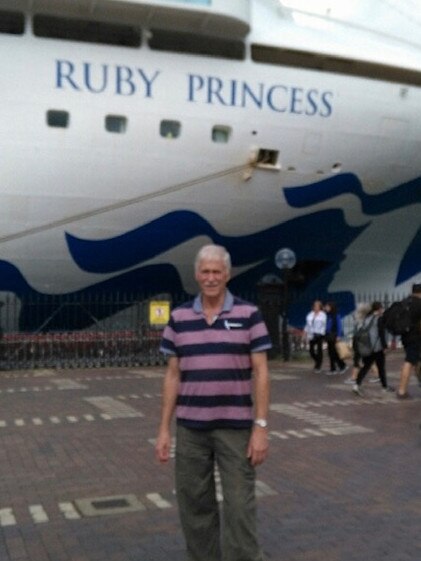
column 215, row 400
column 215, row 424
column 214, row 349
column 215, row 375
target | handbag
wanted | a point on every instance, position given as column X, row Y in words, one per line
column 343, row 349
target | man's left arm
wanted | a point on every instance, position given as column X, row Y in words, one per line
column 259, row 443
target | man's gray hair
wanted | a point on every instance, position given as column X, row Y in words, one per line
column 211, row 251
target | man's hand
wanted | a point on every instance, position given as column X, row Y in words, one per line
column 258, row 446
column 162, row 446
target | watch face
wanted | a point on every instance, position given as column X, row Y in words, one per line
column 261, row 423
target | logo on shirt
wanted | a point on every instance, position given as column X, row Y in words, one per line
column 232, row 324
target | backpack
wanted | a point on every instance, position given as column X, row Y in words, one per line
column 362, row 339
column 397, row 318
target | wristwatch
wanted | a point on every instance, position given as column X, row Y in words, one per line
column 262, row 423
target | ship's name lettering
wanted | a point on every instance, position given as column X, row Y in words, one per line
column 123, row 80
column 280, row 98
column 210, row 90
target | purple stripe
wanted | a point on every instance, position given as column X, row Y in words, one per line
column 230, row 387
column 214, row 413
column 185, row 314
column 213, row 336
column 241, row 310
column 258, row 330
column 238, row 311
column 168, row 333
column 217, row 362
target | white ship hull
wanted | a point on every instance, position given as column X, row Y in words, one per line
column 84, row 209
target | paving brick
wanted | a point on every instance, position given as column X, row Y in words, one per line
column 341, row 482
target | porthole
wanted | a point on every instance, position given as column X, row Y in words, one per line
column 170, row 129
column 221, row 134
column 116, row 124
column 58, row 119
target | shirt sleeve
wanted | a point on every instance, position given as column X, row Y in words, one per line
column 259, row 336
column 168, row 343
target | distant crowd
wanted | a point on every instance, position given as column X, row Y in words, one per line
column 371, row 324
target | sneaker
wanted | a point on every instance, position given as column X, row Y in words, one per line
column 388, row 389
column 317, row 370
column 349, row 381
column 343, row 370
column 374, row 381
column 403, row 395
column 331, row 373
column 357, row 390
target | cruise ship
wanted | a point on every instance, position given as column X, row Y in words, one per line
column 134, row 131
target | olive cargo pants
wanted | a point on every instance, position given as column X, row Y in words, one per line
column 196, row 454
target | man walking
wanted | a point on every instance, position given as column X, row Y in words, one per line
column 216, row 347
column 411, row 342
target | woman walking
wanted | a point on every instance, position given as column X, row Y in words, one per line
column 315, row 330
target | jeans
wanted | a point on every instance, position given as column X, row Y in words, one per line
column 197, row 452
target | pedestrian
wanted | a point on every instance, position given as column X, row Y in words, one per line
column 334, row 332
column 411, row 342
column 361, row 312
column 377, row 355
column 315, row 329
column 216, row 348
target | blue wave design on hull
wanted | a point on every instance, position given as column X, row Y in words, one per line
column 404, row 195
column 169, row 231
column 321, row 236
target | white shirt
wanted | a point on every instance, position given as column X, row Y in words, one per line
column 315, row 324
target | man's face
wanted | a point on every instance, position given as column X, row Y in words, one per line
column 212, row 277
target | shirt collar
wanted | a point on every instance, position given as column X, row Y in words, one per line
column 227, row 306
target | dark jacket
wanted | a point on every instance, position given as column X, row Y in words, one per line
column 414, row 334
column 333, row 326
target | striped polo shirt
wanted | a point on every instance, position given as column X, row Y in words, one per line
column 215, row 362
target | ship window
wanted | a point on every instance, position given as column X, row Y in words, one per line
column 221, row 134
column 87, row 31
column 58, row 119
column 170, row 129
column 116, row 124
column 12, row 22
column 326, row 63
column 191, row 43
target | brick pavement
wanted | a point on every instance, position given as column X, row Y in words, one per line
column 78, row 480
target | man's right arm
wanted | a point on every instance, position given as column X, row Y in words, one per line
column 169, row 398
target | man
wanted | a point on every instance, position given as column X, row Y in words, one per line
column 411, row 342
column 216, row 347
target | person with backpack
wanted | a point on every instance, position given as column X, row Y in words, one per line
column 371, row 344
column 411, row 341
column 358, row 317
column 333, row 333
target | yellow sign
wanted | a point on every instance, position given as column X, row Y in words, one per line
column 159, row 312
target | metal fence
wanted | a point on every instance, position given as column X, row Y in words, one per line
column 111, row 330
column 89, row 332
